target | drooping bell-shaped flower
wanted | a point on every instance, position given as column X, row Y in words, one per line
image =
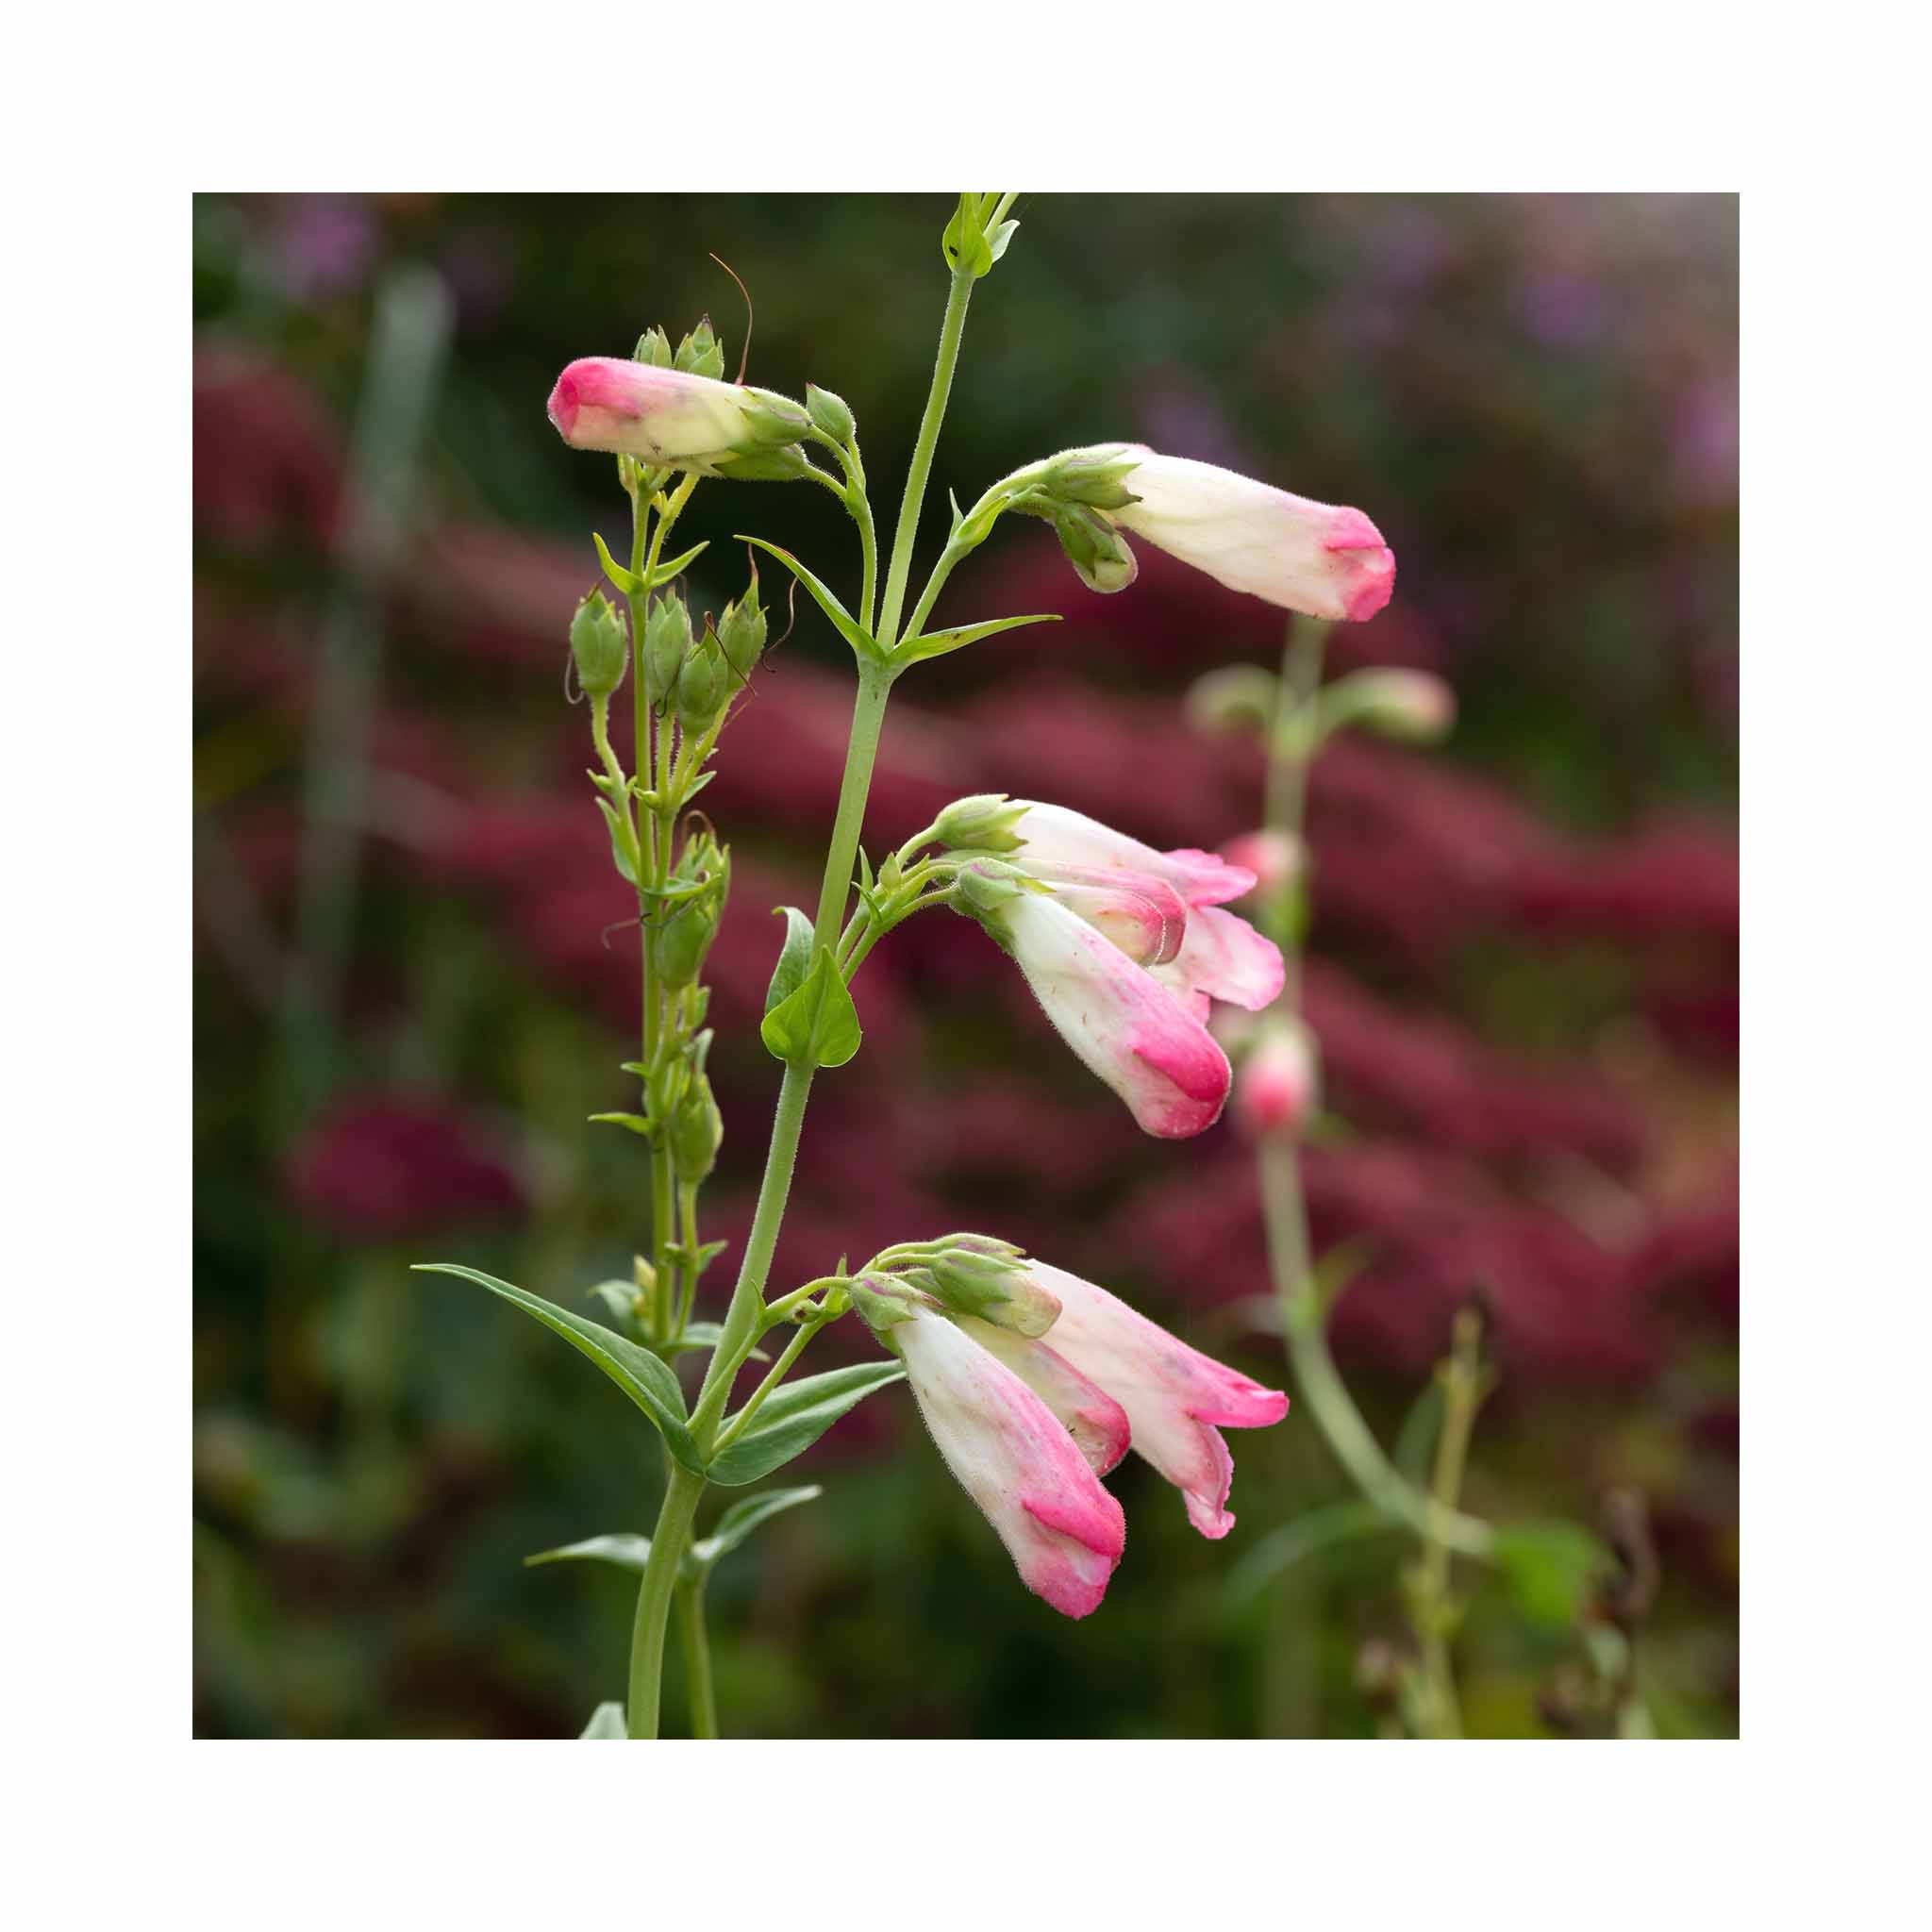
column 1097, row 1421
column 1141, row 1036
column 1177, row 1399
column 1014, row 1458
column 669, row 418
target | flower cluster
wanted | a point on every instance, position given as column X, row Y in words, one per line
column 1033, row 1396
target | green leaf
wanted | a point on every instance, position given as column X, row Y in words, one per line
column 621, row 1298
column 619, row 856
column 1307, row 1536
column 1415, row 1441
column 936, row 644
column 635, row 1122
column 675, row 566
column 817, row 1026
column 843, row 622
column 624, row 1551
column 742, row 1518
column 607, row 1722
column 1551, row 1566
column 646, row 1381
column 794, row 957
column 706, row 1334
column 795, row 1417
column 1001, row 235
column 626, row 580
column 964, row 244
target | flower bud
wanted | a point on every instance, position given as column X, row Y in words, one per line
column 654, row 346
column 681, row 938
column 1277, row 859
column 698, row 1131
column 986, row 886
column 741, row 632
column 1276, row 1083
column 1243, row 698
column 832, row 415
column 1413, row 706
column 667, row 643
column 882, row 1303
column 704, row 684
column 985, row 821
column 997, row 1287
column 1095, row 549
column 599, row 645
column 701, row 352
column 1096, row 476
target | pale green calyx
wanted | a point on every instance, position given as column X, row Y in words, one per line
column 987, row 821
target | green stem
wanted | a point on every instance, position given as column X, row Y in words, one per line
column 1463, row 1388
column 950, row 331
column 697, row 1659
column 668, row 1541
column 775, row 1375
column 862, row 752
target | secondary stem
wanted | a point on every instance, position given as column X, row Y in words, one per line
column 697, row 1659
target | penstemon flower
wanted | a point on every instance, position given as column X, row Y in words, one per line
column 1014, row 1456
column 1127, row 948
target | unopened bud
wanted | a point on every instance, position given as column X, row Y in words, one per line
column 1276, row 1084
column 985, row 823
column 704, row 684
column 882, row 1303
column 987, row 885
column 741, row 632
column 667, row 643
column 1100, row 476
column 832, row 415
column 681, row 938
column 1277, row 859
column 701, row 352
column 1243, row 698
column 1413, row 706
column 599, row 645
column 1095, row 549
column 698, row 1131
column 643, row 1274
column 654, row 346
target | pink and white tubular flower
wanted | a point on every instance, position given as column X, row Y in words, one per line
column 1017, row 1461
column 1177, row 1400
column 1220, row 957
column 664, row 417
column 1316, row 557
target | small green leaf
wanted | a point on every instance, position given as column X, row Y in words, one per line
column 625, row 1551
column 675, row 566
column 626, row 580
column 1551, row 1566
column 1001, row 235
column 621, row 1298
column 646, row 1381
column 742, row 1518
column 795, row 1417
column 817, row 1026
column 843, row 622
column 1415, row 1441
column 1307, row 1536
column 704, row 1334
column 619, row 856
column 635, row 1122
column 936, row 644
column 607, row 1722
column 794, row 957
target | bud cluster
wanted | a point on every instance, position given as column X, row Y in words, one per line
column 968, row 1274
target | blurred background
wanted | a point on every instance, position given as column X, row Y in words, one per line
column 413, row 980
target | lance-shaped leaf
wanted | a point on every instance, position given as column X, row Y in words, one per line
column 628, row 581
column 607, row 1722
column 843, row 622
column 816, row 1026
column 795, row 1417
column 624, row 1551
column 645, row 1379
column 936, row 644
column 794, row 957
column 742, row 1518
column 671, row 567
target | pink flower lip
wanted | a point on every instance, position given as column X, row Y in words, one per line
column 1370, row 563
column 563, row 405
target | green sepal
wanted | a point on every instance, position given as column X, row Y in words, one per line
column 816, row 1026
column 1552, row 1567
column 626, row 580
column 646, row 1381
column 743, row 1517
column 842, row 620
column 936, row 644
column 795, row 1416
column 794, row 959
column 635, row 1122
column 619, row 856
column 607, row 1723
